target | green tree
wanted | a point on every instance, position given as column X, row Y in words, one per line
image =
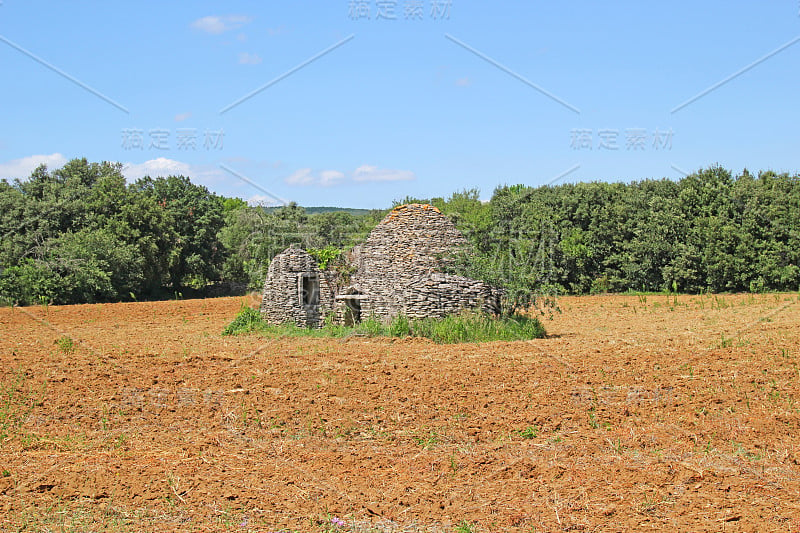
column 197, row 216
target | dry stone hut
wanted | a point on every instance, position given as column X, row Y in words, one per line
column 398, row 270
column 296, row 290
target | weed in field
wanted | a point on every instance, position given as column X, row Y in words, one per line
column 647, row 506
column 346, row 432
column 65, row 517
column 120, row 441
column 740, row 450
column 328, row 522
column 16, row 404
column 465, row 527
column 249, row 418
column 593, row 419
column 370, row 327
column 427, row 441
column 530, row 432
column 617, row 446
column 595, row 422
column 44, row 301
column 66, row 345
column 720, row 303
column 650, row 504
column 724, row 343
column 453, row 464
column 400, row 327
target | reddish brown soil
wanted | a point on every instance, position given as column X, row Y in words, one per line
column 664, row 414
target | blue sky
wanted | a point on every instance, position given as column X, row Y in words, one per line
column 402, row 97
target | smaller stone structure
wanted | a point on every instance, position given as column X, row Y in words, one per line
column 296, row 290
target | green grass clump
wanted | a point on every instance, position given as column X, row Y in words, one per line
column 247, row 320
column 66, row 345
column 477, row 327
column 464, row 527
column 452, row 329
column 400, row 327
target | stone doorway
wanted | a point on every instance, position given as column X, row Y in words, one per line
column 309, row 290
column 352, row 311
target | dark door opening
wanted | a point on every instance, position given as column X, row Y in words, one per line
column 310, row 290
column 352, row 311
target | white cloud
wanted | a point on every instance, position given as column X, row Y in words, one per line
column 211, row 176
column 463, row 82
column 327, row 178
column 180, row 117
column 156, row 167
column 22, row 168
column 216, row 25
column 330, row 177
column 373, row 173
column 302, row 176
column 249, row 59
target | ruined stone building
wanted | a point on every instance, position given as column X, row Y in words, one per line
column 398, row 270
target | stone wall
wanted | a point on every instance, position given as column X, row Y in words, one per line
column 439, row 295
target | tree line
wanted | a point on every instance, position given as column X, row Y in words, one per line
column 81, row 233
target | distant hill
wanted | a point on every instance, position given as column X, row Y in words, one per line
column 324, row 209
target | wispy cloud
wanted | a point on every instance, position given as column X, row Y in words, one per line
column 249, row 59
column 301, row 176
column 373, row 173
column 330, row 177
column 216, row 25
column 22, row 168
column 305, row 177
column 180, row 117
column 208, row 175
column 463, row 82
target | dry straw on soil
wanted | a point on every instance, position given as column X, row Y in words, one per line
column 636, row 414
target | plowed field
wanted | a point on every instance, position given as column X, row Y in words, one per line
column 635, row 414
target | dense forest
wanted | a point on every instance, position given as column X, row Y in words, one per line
column 82, row 234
